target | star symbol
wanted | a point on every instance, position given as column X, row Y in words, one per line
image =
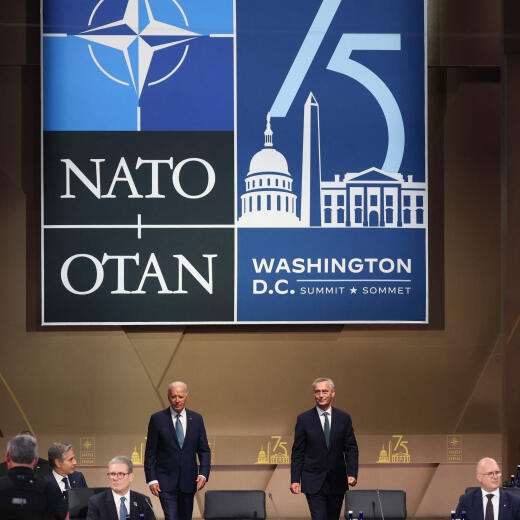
column 145, row 32
column 353, row 290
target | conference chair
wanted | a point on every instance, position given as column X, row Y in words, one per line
column 236, row 505
column 370, row 501
column 78, row 500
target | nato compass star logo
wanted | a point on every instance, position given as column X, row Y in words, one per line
column 138, row 38
column 147, row 63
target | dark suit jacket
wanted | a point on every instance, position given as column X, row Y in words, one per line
column 76, row 480
column 165, row 461
column 42, row 468
column 101, row 506
column 508, row 506
column 312, row 462
column 21, row 482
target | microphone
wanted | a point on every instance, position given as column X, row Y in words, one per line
column 270, row 495
column 380, row 504
column 147, row 500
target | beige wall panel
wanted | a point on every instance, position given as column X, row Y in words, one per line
column 412, row 478
column 155, row 351
column 447, row 484
column 483, row 408
column 288, row 505
column 373, row 376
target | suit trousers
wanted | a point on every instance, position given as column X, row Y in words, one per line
column 324, row 505
column 176, row 505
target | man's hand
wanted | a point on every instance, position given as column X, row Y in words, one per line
column 201, row 482
column 155, row 489
column 352, row 481
column 295, row 488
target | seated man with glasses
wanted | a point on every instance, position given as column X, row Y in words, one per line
column 489, row 502
column 118, row 502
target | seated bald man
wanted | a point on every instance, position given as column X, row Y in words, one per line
column 489, row 502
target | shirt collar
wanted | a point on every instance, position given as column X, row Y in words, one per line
column 59, row 478
column 118, row 498
column 496, row 492
column 320, row 411
column 182, row 413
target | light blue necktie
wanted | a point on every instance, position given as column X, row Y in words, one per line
column 179, row 431
column 123, row 513
column 326, row 428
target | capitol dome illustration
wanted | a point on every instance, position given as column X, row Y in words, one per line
column 372, row 198
column 269, row 200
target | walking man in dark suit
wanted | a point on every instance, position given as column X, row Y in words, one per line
column 119, row 502
column 63, row 463
column 176, row 436
column 489, row 502
column 324, row 459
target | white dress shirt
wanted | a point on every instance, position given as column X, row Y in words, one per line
column 59, row 480
column 322, row 417
column 495, row 501
column 117, row 500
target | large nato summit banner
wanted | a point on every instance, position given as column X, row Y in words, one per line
column 247, row 161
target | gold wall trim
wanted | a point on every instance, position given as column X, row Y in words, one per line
column 513, row 330
column 17, row 404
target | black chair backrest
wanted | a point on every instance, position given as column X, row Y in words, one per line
column 220, row 505
column 392, row 501
column 78, row 500
column 471, row 488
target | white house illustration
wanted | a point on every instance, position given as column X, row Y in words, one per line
column 371, row 198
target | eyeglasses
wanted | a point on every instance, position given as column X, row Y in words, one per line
column 118, row 476
column 492, row 474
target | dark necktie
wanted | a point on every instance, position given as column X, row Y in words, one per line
column 489, row 508
column 123, row 513
column 65, row 480
column 326, row 431
column 179, row 431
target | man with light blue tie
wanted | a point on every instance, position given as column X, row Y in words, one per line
column 324, row 459
column 176, row 437
column 118, row 502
